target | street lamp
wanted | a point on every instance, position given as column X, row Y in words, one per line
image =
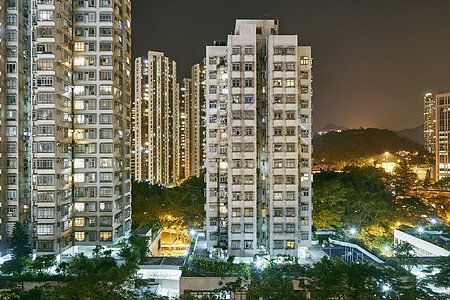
column 420, row 229
column 433, row 221
column 192, row 232
column 353, row 231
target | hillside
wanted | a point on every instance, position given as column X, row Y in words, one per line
column 414, row 134
column 356, row 145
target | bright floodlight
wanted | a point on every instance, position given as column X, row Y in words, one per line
column 258, row 263
column 352, row 231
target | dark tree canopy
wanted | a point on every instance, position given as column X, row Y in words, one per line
column 20, row 242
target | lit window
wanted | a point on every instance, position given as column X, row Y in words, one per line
column 79, row 61
column 79, row 236
column 79, row 46
column 79, row 222
column 290, row 244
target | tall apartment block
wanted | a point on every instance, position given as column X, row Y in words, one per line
column 258, row 143
column 15, row 118
column 192, row 126
column 442, row 102
column 196, row 128
column 68, row 97
column 156, row 120
column 184, row 135
column 429, row 122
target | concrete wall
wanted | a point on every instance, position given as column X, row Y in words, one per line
column 422, row 248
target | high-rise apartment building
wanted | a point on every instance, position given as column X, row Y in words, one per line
column 68, row 97
column 15, row 117
column 192, row 126
column 184, row 129
column 156, row 120
column 429, row 122
column 258, row 142
column 196, row 128
column 442, row 117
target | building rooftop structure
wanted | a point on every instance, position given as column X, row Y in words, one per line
column 425, row 243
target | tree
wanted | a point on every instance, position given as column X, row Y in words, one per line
column 95, row 278
column 329, row 199
column 334, row 278
column 43, row 262
column 180, row 207
column 15, row 267
column 404, row 178
column 441, row 278
column 275, row 282
column 139, row 244
column 404, row 256
column 20, row 242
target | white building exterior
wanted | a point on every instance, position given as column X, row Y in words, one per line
column 258, row 142
column 421, row 247
column 442, row 131
column 67, row 135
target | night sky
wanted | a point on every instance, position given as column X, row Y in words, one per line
column 373, row 60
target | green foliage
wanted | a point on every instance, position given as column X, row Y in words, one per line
column 15, row 267
column 20, row 242
column 404, row 256
column 356, row 197
column 35, row 293
column 276, row 282
column 356, row 146
column 97, row 278
column 153, row 204
column 329, row 199
column 205, row 267
column 404, row 178
column 442, row 277
column 139, row 244
column 43, row 262
column 334, row 278
column 368, row 199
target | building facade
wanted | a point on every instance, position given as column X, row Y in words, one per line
column 15, row 118
column 429, row 122
column 442, row 135
column 258, row 142
column 196, row 128
column 156, row 143
column 70, row 140
column 185, row 93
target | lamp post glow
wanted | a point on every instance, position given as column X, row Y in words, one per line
column 420, row 229
column 353, row 231
column 433, row 221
